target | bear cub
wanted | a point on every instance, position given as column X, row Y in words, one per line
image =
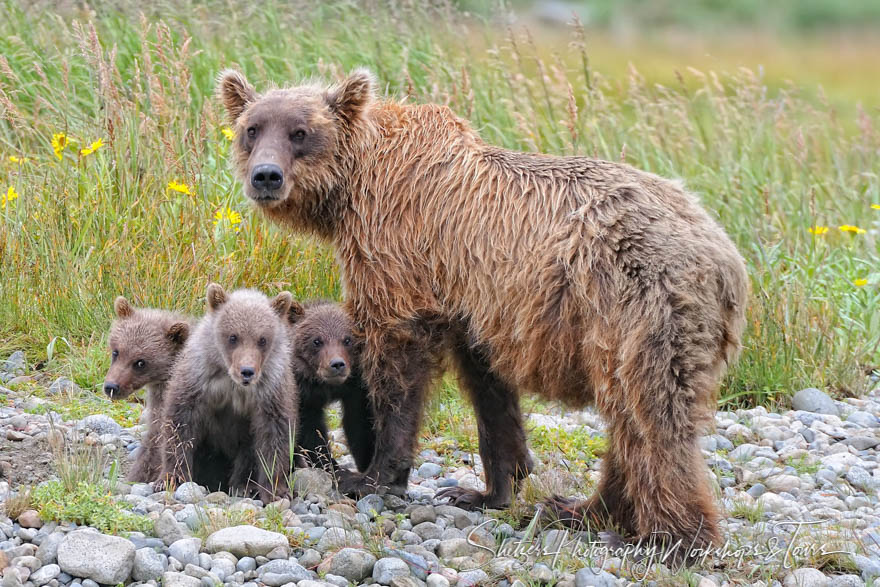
column 326, row 366
column 232, row 392
column 144, row 344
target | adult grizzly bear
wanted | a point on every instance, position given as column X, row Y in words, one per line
column 579, row 279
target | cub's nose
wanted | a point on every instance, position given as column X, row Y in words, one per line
column 111, row 389
column 267, row 176
column 337, row 365
column 247, row 373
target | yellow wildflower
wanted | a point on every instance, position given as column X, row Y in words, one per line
column 875, row 206
column 818, row 230
column 179, row 187
column 59, row 143
column 860, row 282
column 230, row 215
column 228, row 133
column 850, row 228
column 21, row 160
column 10, row 195
column 92, row 148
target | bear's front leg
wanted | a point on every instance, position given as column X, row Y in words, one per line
column 180, row 437
column 358, row 422
column 272, row 428
column 503, row 447
column 312, row 438
column 398, row 366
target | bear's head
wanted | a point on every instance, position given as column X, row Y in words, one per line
column 325, row 348
column 144, row 344
column 249, row 330
column 291, row 145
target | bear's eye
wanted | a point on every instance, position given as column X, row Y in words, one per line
column 297, row 136
column 262, row 341
column 233, row 339
column 252, row 132
column 114, row 354
column 346, row 341
column 140, row 364
column 317, row 342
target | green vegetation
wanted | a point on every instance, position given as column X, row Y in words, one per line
column 804, row 464
column 88, row 504
column 753, row 512
column 114, row 175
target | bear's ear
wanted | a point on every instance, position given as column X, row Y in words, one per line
column 216, row 297
column 123, row 308
column 178, row 333
column 281, row 303
column 235, row 92
column 296, row 312
column 353, row 95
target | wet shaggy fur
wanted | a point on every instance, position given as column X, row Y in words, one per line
column 144, row 344
column 583, row 280
column 326, row 366
column 232, row 392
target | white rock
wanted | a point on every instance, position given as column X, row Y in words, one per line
column 806, row 577
column 101, row 558
column 245, row 541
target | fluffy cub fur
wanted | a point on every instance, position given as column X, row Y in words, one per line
column 232, row 391
column 144, row 344
column 326, row 365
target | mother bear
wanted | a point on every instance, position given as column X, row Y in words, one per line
column 578, row 279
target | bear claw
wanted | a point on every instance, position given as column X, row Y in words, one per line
column 468, row 499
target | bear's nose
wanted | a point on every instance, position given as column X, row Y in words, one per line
column 111, row 389
column 267, row 176
column 247, row 373
column 337, row 364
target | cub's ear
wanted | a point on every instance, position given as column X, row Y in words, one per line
column 216, row 297
column 353, row 95
column 281, row 303
column 235, row 92
column 123, row 308
column 296, row 312
column 178, row 333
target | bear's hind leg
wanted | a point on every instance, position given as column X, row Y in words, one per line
column 503, row 448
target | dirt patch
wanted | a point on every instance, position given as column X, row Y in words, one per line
column 25, row 462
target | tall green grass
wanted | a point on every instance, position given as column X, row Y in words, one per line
column 87, row 227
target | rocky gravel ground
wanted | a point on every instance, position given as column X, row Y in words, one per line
column 799, row 491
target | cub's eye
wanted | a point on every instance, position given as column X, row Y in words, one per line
column 298, row 136
column 233, row 339
column 346, row 341
column 114, row 354
column 140, row 364
column 317, row 342
column 262, row 341
column 252, row 132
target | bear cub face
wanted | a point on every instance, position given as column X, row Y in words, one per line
column 144, row 344
column 246, row 333
column 324, row 346
column 288, row 141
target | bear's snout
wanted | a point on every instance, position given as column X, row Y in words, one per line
column 267, row 177
column 247, row 373
column 111, row 389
